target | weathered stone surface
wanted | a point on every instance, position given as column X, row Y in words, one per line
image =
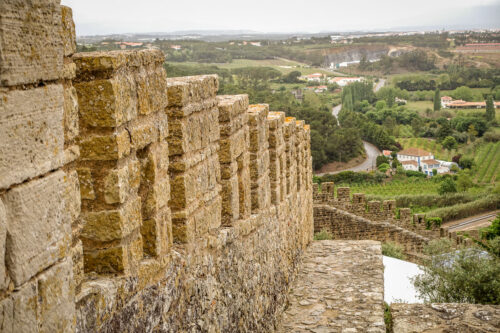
column 38, row 226
column 416, row 318
column 68, row 31
column 105, row 147
column 56, row 299
column 24, row 308
column 71, row 127
column 32, row 133
column 334, row 293
column 3, row 236
column 31, row 48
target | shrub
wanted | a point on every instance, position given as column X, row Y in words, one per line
column 463, row 210
column 433, row 221
column 447, row 186
column 383, row 167
column 393, row 250
column 493, row 230
column 323, row 235
column 410, row 173
column 464, row 276
column 388, row 318
column 466, row 162
column 381, row 159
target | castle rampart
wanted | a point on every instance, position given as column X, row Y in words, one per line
column 130, row 201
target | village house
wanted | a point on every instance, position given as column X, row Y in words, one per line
column 416, row 159
column 344, row 81
column 448, row 102
column 315, row 77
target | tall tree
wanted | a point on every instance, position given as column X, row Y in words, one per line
column 437, row 100
column 490, row 108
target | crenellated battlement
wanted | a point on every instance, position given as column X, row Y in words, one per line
column 152, row 203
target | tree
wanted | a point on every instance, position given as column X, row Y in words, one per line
column 437, row 100
column 464, row 181
column 447, row 186
column 471, row 131
column 490, row 109
column 292, row 77
column 449, row 143
column 464, row 93
column 445, row 130
column 381, row 159
column 466, row 162
column 434, row 172
column 463, row 276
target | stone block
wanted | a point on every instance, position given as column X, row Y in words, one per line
column 68, row 31
column 70, row 113
column 72, row 197
column 156, row 233
column 32, row 133
column 190, row 89
column 231, row 106
column 3, row 236
column 114, row 224
column 31, row 48
column 6, row 315
column 86, row 183
column 230, row 200
column 116, row 185
column 24, row 308
column 105, row 147
column 38, row 226
column 122, row 258
column 77, row 259
column 107, row 102
column 56, row 299
column 208, row 217
column 151, row 89
column 143, row 132
column 232, row 147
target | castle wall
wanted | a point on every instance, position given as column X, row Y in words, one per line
column 130, row 201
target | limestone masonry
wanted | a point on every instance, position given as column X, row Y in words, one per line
column 133, row 202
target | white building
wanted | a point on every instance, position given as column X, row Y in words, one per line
column 344, row 81
column 428, row 166
column 420, row 160
column 315, row 77
column 410, row 165
column 445, row 100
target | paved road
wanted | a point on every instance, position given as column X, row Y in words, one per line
column 380, row 84
column 472, row 222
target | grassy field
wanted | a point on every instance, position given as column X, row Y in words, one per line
column 283, row 65
column 431, row 146
column 397, row 187
column 487, row 163
column 420, row 106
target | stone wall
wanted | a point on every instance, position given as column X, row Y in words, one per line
column 447, row 317
column 132, row 202
column 39, row 190
column 344, row 225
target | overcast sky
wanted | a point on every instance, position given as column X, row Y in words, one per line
column 121, row 16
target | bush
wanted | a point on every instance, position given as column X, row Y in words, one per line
column 493, row 230
column 447, row 186
column 428, row 200
column 393, row 250
column 463, row 210
column 464, row 276
column 383, row 167
column 433, row 221
column 410, row 173
column 388, row 318
column 449, row 143
column 381, row 159
column 323, row 235
column 466, row 162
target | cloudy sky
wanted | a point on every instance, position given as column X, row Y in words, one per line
column 122, row 16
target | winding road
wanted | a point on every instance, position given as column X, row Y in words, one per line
column 371, row 151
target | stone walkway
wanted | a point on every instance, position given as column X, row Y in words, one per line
column 340, row 288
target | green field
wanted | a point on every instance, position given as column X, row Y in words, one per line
column 283, row 65
column 487, row 163
column 431, row 146
column 420, row 106
column 397, row 187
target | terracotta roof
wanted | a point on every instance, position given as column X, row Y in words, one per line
column 414, row 152
column 430, row 162
column 410, row 162
column 446, row 98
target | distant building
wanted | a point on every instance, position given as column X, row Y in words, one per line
column 448, row 102
column 410, row 165
column 344, row 81
column 414, row 154
column 428, row 166
column 316, row 77
column 386, row 153
column 176, row 47
column 445, row 100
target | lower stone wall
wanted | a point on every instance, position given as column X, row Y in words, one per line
column 344, row 225
column 449, row 317
column 235, row 282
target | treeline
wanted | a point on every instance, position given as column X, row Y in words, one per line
column 416, row 60
column 329, row 142
column 452, row 78
column 432, row 40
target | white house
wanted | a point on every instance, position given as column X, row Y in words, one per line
column 428, row 166
column 445, row 100
column 410, row 165
column 315, row 77
column 344, row 81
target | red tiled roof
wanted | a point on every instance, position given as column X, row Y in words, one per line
column 430, row 162
column 410, row 162
column 414, row 152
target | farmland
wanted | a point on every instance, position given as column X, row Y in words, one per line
column 487, row 163
column 430, row 145
column 397, row 187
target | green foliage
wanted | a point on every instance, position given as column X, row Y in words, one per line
column 464, row 276
column 351, row 177
column 433, row 222
column 449, row 143
column 323, row 235
column 381, row 159
column 490, row 109
column 447, row 186
column 464, row 182
column 493, row 230
column 463, row 210
column 393, row 250
column 437, row 100
column 388, row 318
column 383, row 167
column 466, row 162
